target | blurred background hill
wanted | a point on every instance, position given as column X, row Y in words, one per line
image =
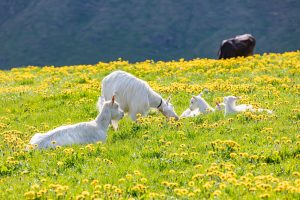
column 66, row 32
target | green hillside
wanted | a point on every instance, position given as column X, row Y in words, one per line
column 64, row 32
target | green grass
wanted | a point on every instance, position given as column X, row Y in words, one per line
column 248, row 150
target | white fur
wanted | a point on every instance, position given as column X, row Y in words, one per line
column 231, row 107
column 134, row 95
column 197, row 106
column 198, row 102
column 262, row 110
column 189, row 113
column 81, row 133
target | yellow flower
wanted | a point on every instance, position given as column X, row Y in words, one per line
column 107, row 186
column 129, row 176
column 207, row 185
column 80, row 197
column 59, row 195
column 197, row 176
column 94, row 182
column 121, row 180
column 296, row 173
column 233, row 155
column 35, row 186
column 165, row 183
column 265, row 196
column 85, row 193
column 143, row 180
column 118, row 190
column 29, row 195
column 191, row 183
column 39, row 194
column 60, row 163
column 217, row 193
column 97, row 192
column 191, row 194
column 184, row 191
column 198, row 166
column 137, row 173
column 85, row 180
column 222, row 186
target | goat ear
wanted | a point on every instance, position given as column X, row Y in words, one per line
column 194, row 97
column 217, row 103
column 201, row 94
column 113, row 100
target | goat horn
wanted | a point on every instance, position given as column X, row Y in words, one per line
column 113, row 100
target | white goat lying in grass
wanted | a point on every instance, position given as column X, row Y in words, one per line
column 198, row 105
column 231, row 107
column 134, row 95
column 81, row 133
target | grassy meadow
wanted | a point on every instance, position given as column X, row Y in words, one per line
column 243, row 156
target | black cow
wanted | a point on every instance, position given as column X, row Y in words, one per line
column 240, row 45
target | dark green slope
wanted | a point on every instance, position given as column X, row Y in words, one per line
column 64, row 32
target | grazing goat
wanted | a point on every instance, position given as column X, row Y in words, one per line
column 81, row 133
column 134, row 95
column 231, row 107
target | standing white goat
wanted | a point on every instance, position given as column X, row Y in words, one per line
column 134, row 95
column 231, row 107
column 81, row 133
column 198, row 105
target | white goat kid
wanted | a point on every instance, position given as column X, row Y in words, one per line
column 198, row 105
column 81, row 133
column 134, row 95
column 231, row 107
column 197, row 102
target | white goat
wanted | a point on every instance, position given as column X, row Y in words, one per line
column 134, row 95
column 231, row 107
column 198, row 105
column 197, row 102
column 81, row 133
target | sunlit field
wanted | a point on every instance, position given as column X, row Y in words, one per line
column 243, row 156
